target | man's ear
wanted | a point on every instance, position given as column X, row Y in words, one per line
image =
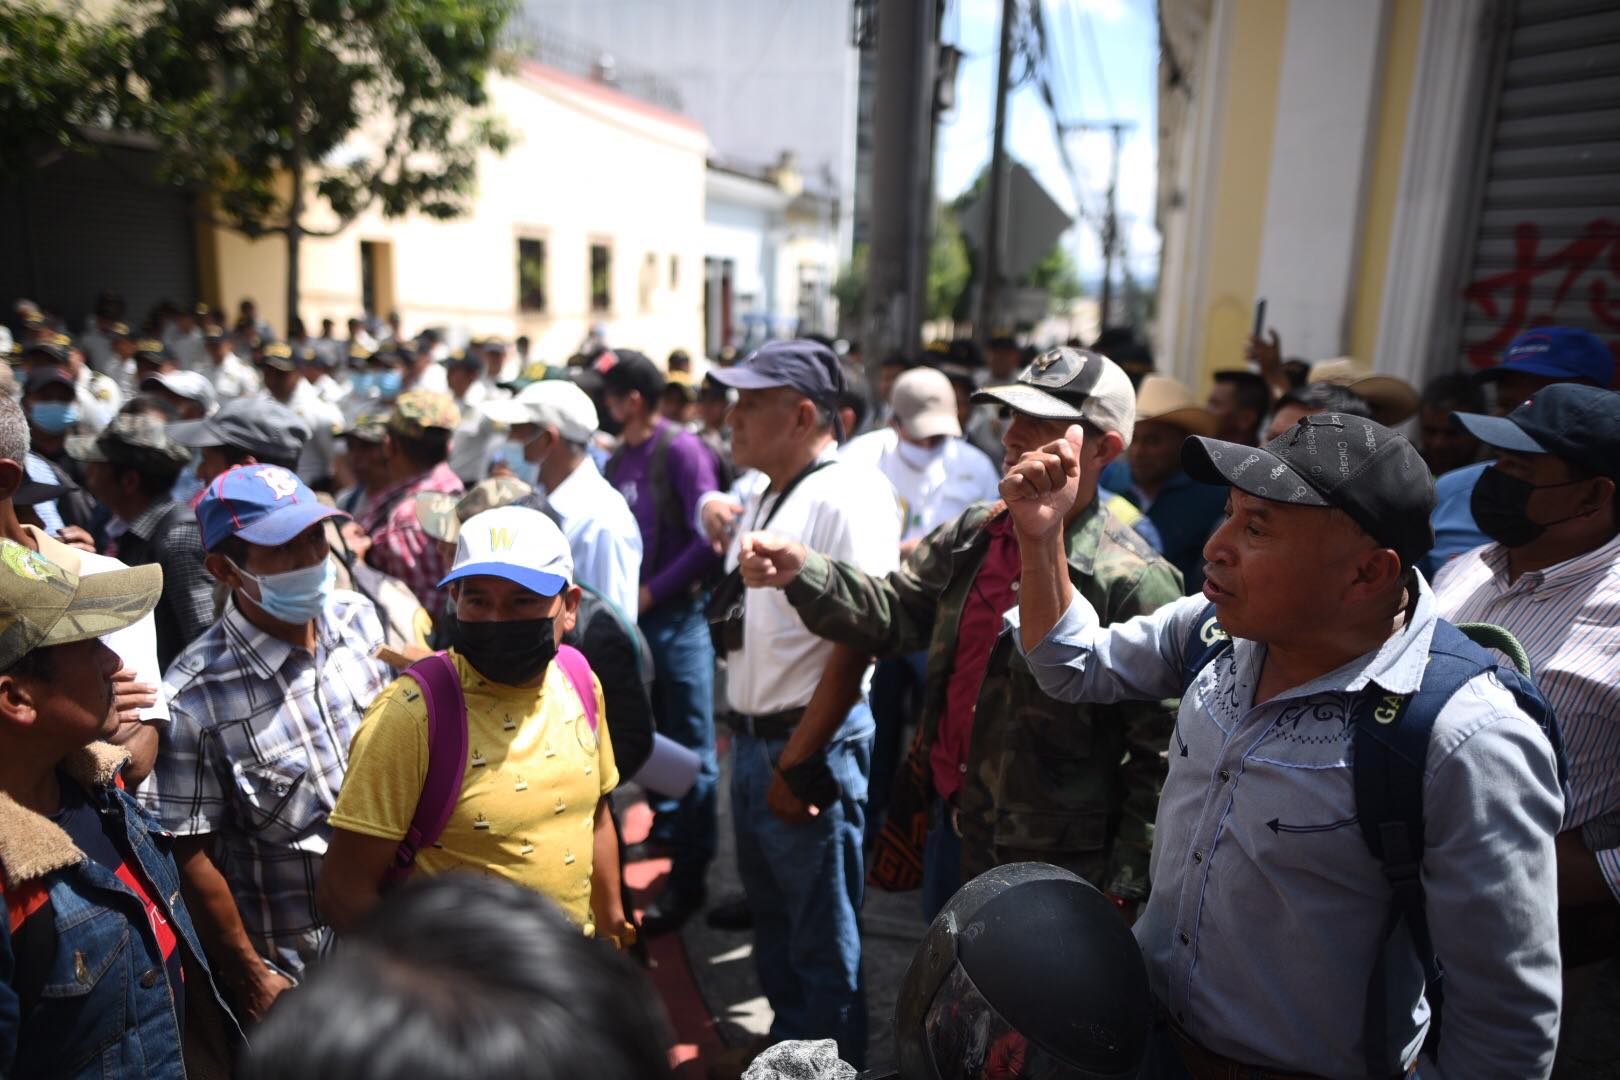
column 1107, row 447
column 568, row 617
column 17, row 706
column 1602, row 494
column 11, row 478
column 1377, row 573
column 222, row 570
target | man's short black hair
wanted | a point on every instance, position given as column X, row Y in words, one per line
column 1455, row 392
column 1327, row 397
column 1249, row 388
column 426, row 450
column 465, row 976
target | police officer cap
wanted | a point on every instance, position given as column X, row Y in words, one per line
column 1028, row 968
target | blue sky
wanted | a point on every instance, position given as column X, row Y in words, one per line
column 1126, row 45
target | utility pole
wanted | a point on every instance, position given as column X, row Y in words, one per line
column 902, row 169
column 996, row 219
column 1110, row 223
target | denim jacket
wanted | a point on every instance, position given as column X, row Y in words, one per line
column 96, row 1004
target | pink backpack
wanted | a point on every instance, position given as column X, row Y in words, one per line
column 447, row 746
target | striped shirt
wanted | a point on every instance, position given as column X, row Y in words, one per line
column 254, row 753
column 1567, row 617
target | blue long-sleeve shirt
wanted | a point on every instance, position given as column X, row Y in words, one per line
column 1267, row 909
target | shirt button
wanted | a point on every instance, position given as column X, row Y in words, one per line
column 1198, row 856
column 1015, row 586
column 1225, row 775
column 1183, row 938
column 150, row 979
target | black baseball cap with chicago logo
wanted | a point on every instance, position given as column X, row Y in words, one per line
column 1332, row 460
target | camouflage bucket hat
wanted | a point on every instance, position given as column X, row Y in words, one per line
column 419, row 411
column 42, row 605
column 130, row 440
column 441, row 513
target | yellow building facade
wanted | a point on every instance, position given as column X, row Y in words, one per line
column 1403, row 181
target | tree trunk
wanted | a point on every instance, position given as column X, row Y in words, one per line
column 293, row 47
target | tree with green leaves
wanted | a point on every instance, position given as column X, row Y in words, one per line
column 268, row 104
column 62, row 75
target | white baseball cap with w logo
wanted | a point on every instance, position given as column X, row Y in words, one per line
column 516, row 543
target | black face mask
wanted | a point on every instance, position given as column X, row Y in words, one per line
column 1500, row 505
column 509, row 653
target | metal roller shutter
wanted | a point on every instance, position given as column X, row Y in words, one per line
column 1546, row 242
column 84, row 225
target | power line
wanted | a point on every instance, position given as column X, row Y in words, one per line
column 1096, row 60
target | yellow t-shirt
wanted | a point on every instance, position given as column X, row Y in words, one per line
column 535, row 773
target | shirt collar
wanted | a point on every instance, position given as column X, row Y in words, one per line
column 264, row 653
column 1397, row 665
column 584, row 477
column 1081, row 537
column 147, row 519
column 1571, row 571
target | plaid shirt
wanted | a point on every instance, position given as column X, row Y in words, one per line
column 166, row 533
column 254, row 753
column 399, row 546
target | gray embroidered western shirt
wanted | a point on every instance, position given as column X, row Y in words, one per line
column 1267, row 909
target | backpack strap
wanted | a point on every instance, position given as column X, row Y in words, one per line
column 1205, row 641
column 578, row 670
column 1391, row 735
column 447, row 758
column 666, row 502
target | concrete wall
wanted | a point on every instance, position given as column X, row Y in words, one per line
column 589, row 165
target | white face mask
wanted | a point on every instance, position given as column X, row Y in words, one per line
column 919, row 457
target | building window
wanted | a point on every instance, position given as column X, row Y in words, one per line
column 601, row 278
column 674, row 272
column 531, row 273
column 376, row 277
column 649, row 281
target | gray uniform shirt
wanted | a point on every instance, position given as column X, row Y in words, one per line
column 1267, row 910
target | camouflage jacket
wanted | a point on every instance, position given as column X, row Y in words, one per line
column 1074, row 785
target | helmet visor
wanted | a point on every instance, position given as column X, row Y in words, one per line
column 968, row 1040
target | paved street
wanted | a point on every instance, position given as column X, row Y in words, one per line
column 707, row 977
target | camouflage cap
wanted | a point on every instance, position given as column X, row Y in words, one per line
column 419, row 411
column 367, row 427
column 42, row 605
column 442, row 513
column 130, row 440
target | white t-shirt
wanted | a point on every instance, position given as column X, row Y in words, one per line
column 933, row 486
column 846, row 512
column 136, row 644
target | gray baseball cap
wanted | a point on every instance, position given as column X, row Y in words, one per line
column 1071, row 384
column 255, row 424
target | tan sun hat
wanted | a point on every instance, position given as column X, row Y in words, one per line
column 1164, row 399
column 1393, row 400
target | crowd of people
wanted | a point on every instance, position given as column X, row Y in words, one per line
column 292, row 630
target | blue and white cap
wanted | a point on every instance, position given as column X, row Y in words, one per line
column 515, row 543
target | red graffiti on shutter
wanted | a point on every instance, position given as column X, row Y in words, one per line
column 1587, row 270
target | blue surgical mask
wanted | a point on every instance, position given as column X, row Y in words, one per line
column 363, row 383
column 296, row 596
column 526, row 471
column 389, row 384
column 53, row 417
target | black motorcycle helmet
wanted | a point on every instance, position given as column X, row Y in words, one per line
column 1030, row 973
